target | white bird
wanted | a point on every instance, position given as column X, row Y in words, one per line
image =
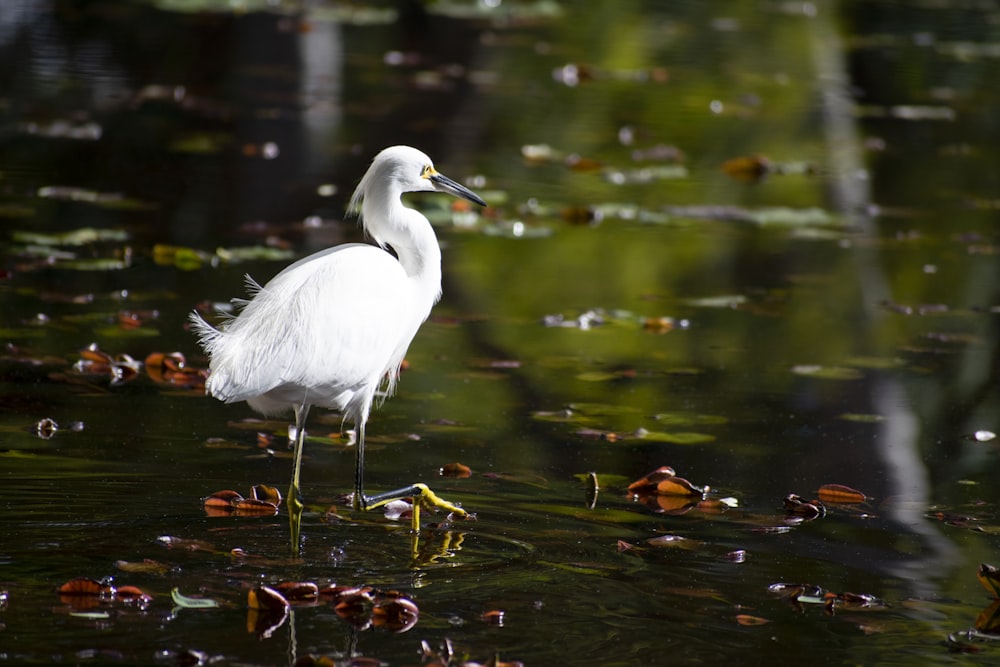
column 331, row 329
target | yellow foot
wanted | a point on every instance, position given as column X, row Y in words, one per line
column 420, row 494
column 431, row 499
column 424, row 496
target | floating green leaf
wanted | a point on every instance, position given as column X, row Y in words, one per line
column 603, row 409
column 827, row 372
column 91, row 615
column 605, row 480
column 597, row 376
column 687, row 419
column 204, row 143
column 75, row 237
column 97, row 264
column 253, row 253
column 723, row 301
column 682, row 438
column 876, row 363
column 185, row 602
column 862, row 418
column 109, row 200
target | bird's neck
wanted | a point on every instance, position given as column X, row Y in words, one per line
column 412, row 238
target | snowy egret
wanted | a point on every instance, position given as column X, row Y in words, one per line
column 331, row 329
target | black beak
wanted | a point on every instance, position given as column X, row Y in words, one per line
column 445, row 184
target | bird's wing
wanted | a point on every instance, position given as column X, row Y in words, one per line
column 331, row 323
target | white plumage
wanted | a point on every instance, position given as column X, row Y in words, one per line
column 331, row 329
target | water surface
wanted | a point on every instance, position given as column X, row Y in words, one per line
column 822, row 310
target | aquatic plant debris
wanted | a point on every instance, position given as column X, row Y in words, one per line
column 185, row 602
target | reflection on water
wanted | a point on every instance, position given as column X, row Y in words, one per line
column 821, row 311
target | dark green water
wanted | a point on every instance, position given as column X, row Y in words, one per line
column 833, row 321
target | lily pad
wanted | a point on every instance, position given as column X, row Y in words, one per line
column 686, row 419
column 74, row 237
column 109, row 200
column 680, row 438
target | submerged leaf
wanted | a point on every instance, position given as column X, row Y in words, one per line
column 988, row 620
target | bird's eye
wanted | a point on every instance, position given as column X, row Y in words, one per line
column 427, row 172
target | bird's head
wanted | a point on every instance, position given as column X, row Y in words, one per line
column 400, row 169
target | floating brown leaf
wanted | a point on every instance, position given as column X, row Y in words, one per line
column 158, row 364
column 133, row 595
column 86, row 586
column 186, row 544
column 225, row 499
column 265, row 598
column 337, row 593
column 649, row 481
column 624, row 546
column 494, row 617
column 580, row 215
column 580, row 163
column 94, row 362
column 145, row 566
column 853, row 601
column 267, row 494
column 397, row 614
column 794, row 591
column 660, row 325
column 796, row 506
column 354, row 608
column 94, row 354
column 678, row 486
column 750, row 621
column 747, row 169
column 456, row 470
column 253, row 507
column 673, row 542
column 298, row 591
column 838, row 493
